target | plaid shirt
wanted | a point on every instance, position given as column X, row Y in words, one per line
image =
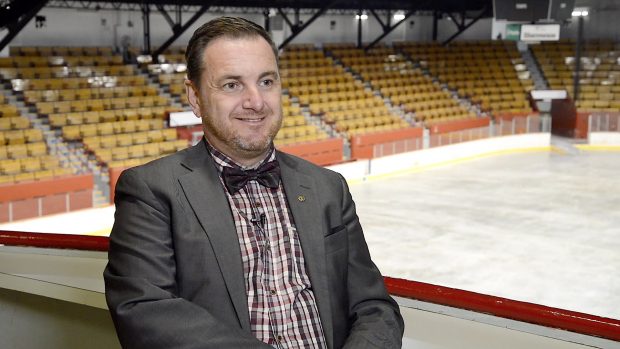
column 282, row 307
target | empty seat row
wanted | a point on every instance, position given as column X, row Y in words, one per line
column 309, row 97
column 348, row 114
column 47, row 108
column 89, row 117
column 34, row 96
column 34, row 176
column 297, row 131
column 327, row 70
column 14, row 123
column 322, row 107
column 367, row 123
column 78, row 132
column 107, row 155
column 63, row 72
column 60, row 51
column 75, row 83
column 17, row 151
column 8, row 110
column 171, row 79
column 30, row 164
column 312, row 137
column 30, row 135
column 51, row 61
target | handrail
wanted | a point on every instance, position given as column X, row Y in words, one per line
column 587, row 324
column 62, row 241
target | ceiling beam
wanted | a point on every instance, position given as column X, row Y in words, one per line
column 180, row 29
column 19, row 22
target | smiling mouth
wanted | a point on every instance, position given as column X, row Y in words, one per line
column 251, row 120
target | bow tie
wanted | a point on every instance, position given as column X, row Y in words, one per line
column 267, row 175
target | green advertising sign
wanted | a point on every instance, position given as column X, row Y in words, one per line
column 513, row 32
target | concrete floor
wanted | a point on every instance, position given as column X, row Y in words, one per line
column 536, row 227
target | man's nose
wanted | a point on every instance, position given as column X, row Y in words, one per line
column 253, row 98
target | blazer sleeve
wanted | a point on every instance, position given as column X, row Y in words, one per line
column 141, row 290
column 375, row 320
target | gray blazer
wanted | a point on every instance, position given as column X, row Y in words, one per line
column 175, row 278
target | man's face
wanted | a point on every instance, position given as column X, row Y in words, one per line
column 239, row 99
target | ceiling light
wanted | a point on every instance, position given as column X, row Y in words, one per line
column 580, row 12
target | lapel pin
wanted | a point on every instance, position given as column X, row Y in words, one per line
column 301, row 198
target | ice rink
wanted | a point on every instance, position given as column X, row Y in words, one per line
column 537, row 227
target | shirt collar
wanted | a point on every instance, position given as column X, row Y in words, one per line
column 222, row 159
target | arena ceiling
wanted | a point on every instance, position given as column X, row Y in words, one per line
column 418, row 5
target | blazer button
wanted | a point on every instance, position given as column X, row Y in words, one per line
column 301, row 198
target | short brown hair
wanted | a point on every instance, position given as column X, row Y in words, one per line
column 231, row 27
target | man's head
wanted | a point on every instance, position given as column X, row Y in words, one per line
column 234, row 86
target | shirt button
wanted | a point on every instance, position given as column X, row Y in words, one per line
column 273, row 292
column 279, row 338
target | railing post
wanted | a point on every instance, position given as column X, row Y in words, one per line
column 589, row 126
column 527, row 124
column 607, row 122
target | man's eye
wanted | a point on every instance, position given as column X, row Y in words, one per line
column 266, row 83
column 230, row 86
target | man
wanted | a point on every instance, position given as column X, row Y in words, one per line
column 232, row 244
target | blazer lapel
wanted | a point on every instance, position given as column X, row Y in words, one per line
column 304, row 205
column 205, row 194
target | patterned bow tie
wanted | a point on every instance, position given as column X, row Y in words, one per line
column 267, row 175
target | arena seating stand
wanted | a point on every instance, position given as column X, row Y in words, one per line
column 490, row 74
column 407, row 86
column 23, row 152
column 599, row 79
column 98, row 100
column 332, row 94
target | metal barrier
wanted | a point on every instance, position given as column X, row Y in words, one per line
column 604, row 122
column 499, row 127
column 400, row 146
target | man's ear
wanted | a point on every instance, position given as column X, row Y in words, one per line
column 193, row 97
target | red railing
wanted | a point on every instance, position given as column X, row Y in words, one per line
column 587, row 324
column 507, row 308
column 64, row 241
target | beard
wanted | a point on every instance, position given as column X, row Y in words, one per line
column 238, row 142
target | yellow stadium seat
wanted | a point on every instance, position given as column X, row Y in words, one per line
column 136, row 151
column 169, row 134
column 151, row 149
column 10, row 167
column 120, row 153
column 44, row 174
column 36, row 149
column 24, row 177
column 124, row 140
column 155, row 136
column 140, row 137
column 30, row 164
column 88, row 130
